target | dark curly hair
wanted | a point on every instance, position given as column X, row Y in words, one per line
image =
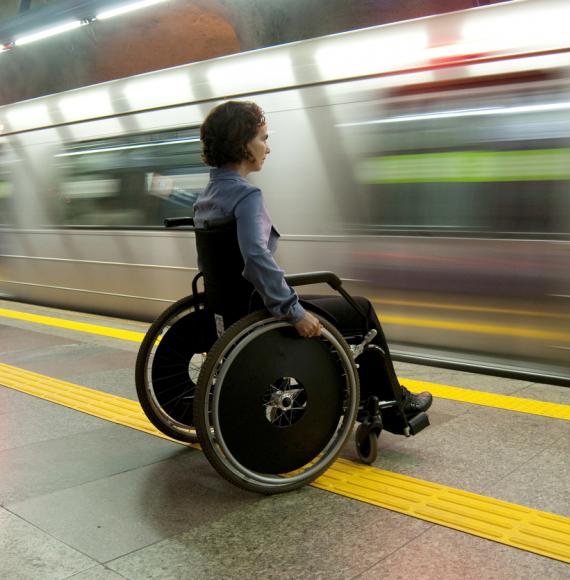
column 227, row 130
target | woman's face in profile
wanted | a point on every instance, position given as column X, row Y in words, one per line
column 259, row 148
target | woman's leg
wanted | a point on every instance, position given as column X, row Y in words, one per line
column 349, row 322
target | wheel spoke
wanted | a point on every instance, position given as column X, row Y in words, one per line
column 172, row 376
column 178, row 398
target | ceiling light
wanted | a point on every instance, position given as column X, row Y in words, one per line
column 126, row 8
column 48, row 32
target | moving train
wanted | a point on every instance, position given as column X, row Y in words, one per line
column 427, row 162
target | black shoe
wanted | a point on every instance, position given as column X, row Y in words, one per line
column 415, row 403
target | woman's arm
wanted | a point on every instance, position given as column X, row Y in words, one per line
column 260, row 268
column 254, row 229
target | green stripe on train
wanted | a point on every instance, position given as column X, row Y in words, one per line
column 467, row 166
column 5, row 190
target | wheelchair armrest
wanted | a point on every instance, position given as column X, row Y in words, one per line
column 329, row 278
column 333, row 281
column 178, row 221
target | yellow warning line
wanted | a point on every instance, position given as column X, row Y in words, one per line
column 522, row 527
column 72, row 325
column 506, row 402
column 133, row 336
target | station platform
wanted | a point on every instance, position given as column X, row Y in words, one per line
column 89, row 490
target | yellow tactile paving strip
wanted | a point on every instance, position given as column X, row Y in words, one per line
column 103, row 405
column 526, row 528
column 506, row 402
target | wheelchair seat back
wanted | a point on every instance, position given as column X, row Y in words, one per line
column 228, row 293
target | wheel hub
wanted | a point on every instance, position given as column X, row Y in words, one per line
column 285, row 402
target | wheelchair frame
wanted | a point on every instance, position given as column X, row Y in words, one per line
column 269, row 425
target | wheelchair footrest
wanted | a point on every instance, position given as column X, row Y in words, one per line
column 417, row 423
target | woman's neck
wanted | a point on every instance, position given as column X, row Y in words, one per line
column 242, row 168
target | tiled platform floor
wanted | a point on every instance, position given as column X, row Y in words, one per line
column 85, row 499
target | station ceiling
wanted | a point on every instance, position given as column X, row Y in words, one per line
column 171, row 33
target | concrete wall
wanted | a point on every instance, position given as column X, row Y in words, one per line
column 10, row 8
column 174, row 33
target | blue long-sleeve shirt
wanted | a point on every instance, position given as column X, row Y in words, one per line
column 229, row 194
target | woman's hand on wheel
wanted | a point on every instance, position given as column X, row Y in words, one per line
column 308, row 326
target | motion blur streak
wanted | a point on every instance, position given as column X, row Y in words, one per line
column 478, row 328
column 507, row 311
column 431, row 174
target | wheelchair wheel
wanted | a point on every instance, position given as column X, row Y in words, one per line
column 168, row 365
column 273, row 410
column 366, row 440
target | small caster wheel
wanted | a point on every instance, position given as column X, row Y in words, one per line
column 367, row 443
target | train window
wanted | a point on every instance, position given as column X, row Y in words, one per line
column 490, row 160
column 133, row 181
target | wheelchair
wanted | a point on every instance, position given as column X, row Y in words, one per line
column 270, row 409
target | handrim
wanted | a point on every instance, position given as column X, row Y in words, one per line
column 211, row 399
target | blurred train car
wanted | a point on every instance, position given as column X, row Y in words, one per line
column 427, row 162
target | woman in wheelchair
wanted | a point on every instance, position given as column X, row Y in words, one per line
column 235, row 143
column 268, row 382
